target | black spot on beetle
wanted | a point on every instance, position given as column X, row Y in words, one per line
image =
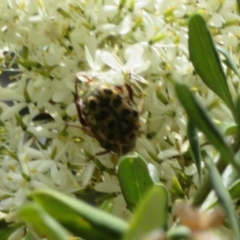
column 135, row 113
column 102, row 115
column 132, row 136
column 104, row 101
column 92, row 104
column 125, row 112
column 117, row 101
column 110, row 136
column 107, row 91
column 101, row 105
column 111, row 124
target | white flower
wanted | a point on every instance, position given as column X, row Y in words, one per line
column 109, row 184
column 142, row 42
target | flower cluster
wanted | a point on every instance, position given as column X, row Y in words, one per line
column 46, row 43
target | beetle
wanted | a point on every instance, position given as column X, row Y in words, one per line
column 109, row 114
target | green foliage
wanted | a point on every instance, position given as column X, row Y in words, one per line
column 51, row 212
column 206, row 61
column 224, row 197
column 200, row 118
column 78, row 217
column 150, row 214
column 134, row 179
column 194, row 144
column 143, row 194
column 5, row 230
column 42, row 222
column 207, row 64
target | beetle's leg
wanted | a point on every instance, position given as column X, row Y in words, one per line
column 130, row 92
column 102, row 152
column 78, row 102
column 87, row 130
column 114, row 156
column 120, row 89
column 107, row 151
column 119, row 150
column 72, row 125
column 114, row 159
column 116, row 148
column 79, row 75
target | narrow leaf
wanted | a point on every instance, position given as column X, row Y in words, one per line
column 134, row 178
column 29, row 64
column 176, row 190
column 233, row 130
column 5, row 229
column 223, row 197
column 238, row 117
column 6, row 232
column 64, row 13
column 80, row 218
column 205, row 59
column 194, row 145
column 234, row 190
column 29, row 236
column 179, row 232
column 41, row 222
column 199, row 117
column 229, row 61
column 25, row 52
column 238, row 5
column 150, row 214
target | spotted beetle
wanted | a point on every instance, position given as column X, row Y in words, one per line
column 109, row 114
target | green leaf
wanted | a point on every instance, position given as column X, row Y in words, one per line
column 5, row 229
column 205, row 59
column 134, row 178
column 176, row 189
column 199, row 117
column 29, row 236
column 25, row 52
column 229, row 61
column 20, row 122
column 153, row 172
column 231, row 175
column 29, row 64
column 78, row 217
column 238, row 5
column 41, row 222
column 234, row 190
column 6, row 232
column 238, row 117
column 179, row 232
column 150, row 214
column 64, row 13
column 223, row 197
column 231, row 181
column 194, row 145
column 233, row 130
